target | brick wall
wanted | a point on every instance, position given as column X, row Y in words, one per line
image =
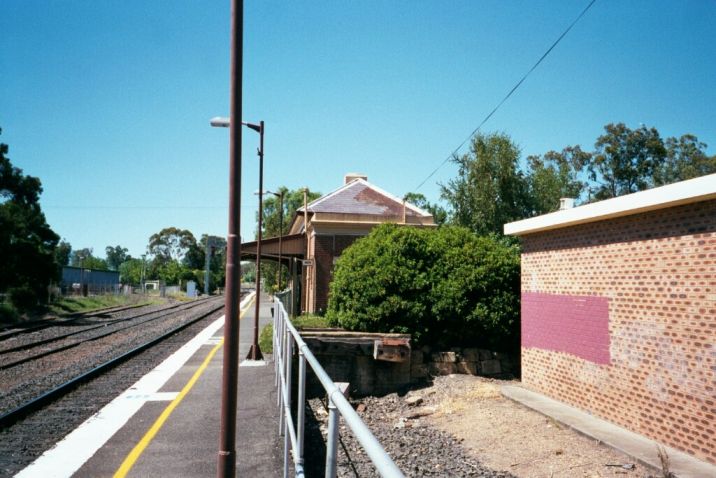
column 619, row 318
column 327, row 247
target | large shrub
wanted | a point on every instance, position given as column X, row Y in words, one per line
column 444, row 286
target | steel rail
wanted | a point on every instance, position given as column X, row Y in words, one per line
column 116, row 308
column 62, row 348
column 35, row 325
column 38, row 402
column 163, row 313
column 71, row 318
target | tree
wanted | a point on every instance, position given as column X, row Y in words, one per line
column 26, row 240
column 170, row 244
column 554, row 176
column 173, row 272
column 62, row 253
column 625, row 160
column 273, row 227
column 438, row 212
column 130, row 271
column 685, row 159
column 248, row 271
column 494, row 187
column 84, row 258
column 195, row 260
column 292, row 201
column 116, row 256
column 490, row 189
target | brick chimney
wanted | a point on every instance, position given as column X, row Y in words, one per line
column 352, row 176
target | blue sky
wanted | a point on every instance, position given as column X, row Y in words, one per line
column 109, row 102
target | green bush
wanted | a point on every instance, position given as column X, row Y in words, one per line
column 23, row 298
column 443, row 286
column 308, row 320
column 7, row 314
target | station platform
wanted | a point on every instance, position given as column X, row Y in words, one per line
column 168, row 423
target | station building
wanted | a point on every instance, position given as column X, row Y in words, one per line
column 619, row 311
column 325, row 227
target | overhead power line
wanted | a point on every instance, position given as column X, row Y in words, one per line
column 514, row 88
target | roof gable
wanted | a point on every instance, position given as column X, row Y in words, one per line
column 361, row 197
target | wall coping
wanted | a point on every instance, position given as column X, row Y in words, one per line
column 684, row 192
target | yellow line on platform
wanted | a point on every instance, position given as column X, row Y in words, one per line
column 139, row 448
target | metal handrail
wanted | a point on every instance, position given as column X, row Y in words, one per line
column 284, row 336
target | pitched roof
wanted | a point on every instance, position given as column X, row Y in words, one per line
column 361, row 197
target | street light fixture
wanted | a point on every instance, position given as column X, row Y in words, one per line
column 255, row 350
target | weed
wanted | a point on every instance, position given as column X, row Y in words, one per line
column 665, row 462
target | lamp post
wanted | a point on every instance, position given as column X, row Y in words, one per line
column 255, row 350
column 144, row 258
column 226, row 459
column 82, row 276
column 207, row 263
column 279, row 195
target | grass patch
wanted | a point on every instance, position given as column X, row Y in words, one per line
column 307, row 321
column 458, row 402
column 180, row 296
column 69, row 305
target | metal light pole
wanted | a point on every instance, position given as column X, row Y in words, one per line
column 82, row 277
column 144, row 263
column 279, row 195
column 226, row 460
column 207, row 264
column 255, row 350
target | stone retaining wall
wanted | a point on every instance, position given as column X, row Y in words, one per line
column 349, row 357
column 427, row 362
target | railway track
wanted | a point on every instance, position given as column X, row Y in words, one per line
column 30, row 381
column 37, row 421
column 84, row 330
column 13, row 330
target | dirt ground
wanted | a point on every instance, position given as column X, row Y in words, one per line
column 507, row 436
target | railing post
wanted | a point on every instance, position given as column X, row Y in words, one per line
column 287, row 406
column 301, row 404
column 276, row 321
column 332, row 440
column 282, row 357
column 281, row 333
column 286, row 445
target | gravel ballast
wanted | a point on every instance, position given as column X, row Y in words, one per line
column 399, row 424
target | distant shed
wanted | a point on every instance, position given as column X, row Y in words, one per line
column 619, row 311
column 96, row 280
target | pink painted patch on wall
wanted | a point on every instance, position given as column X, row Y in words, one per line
column 577, row 325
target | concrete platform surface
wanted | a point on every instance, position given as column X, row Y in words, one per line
column 168, row 423
column 638, row 446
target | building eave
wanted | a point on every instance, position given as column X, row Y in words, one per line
column 684, row 192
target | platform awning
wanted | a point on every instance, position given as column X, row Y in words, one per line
column 292, row 245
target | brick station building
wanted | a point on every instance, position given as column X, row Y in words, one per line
column 320, row 233
column 619, row 311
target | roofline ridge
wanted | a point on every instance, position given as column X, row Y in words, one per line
column 366, row 183
column 327, row 196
